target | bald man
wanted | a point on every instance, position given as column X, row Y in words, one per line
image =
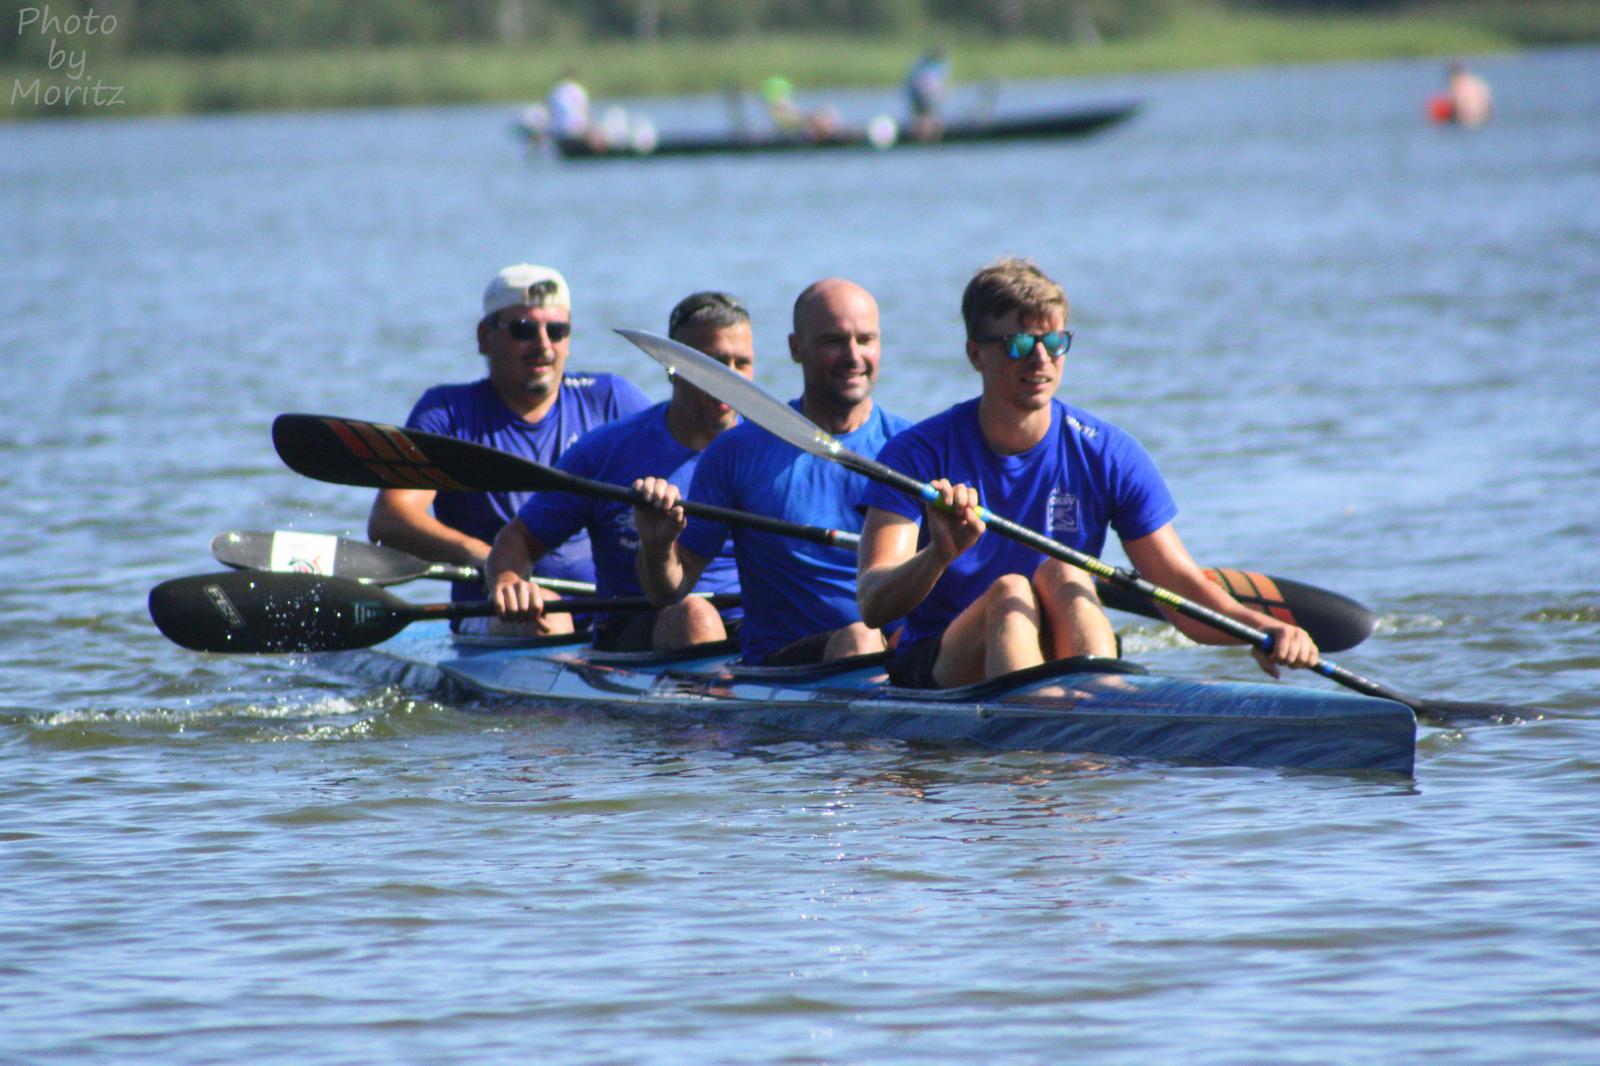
column 799, row 598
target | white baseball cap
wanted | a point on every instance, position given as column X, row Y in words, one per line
column 526, row 285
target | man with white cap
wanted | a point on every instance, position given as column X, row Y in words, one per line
column 528, row 405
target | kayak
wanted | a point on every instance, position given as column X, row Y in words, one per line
column 1088, row 704
column 880, row 134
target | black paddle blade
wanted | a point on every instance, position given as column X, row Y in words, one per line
column 241, row 611
column 1451, row 712
column 1336, row 622
column 348, row 451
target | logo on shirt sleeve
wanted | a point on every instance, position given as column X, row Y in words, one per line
column 1061, row 513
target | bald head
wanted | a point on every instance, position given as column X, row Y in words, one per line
column 835, row 341
column 823, row 300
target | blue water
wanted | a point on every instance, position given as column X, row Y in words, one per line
column 1361, row 348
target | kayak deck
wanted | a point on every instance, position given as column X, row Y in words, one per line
column 1106, row 706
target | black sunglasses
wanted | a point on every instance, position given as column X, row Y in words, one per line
column 526, row 329
column 1020, row 345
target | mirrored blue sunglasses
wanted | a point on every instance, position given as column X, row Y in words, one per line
column 1020, row 345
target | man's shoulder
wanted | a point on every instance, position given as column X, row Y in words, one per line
column 453, row 394
column 599, row 389
column 628, row 427
column 455, row 409
column 954, row 418
column 594, row 381
column 1094, row 432
column 893, row 424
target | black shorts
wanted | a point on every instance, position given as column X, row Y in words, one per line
column 628, row 632
column 912, row 667
column 806, row 651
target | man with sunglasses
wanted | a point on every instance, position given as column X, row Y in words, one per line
column 664, row 440
column 979, row 606
column 528, row 405
column 799, row 598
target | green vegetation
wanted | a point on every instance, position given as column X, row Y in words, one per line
column 1165, row 34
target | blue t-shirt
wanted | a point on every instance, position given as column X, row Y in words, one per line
column 792, row 588
column 474, row 412
column 638, row 446
column 1084, row 477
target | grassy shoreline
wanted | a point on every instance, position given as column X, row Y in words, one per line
column 1197, row 39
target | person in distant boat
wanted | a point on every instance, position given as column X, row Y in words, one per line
column 665, row 440
column 568, row 107
column 979, row 606
column 1470, row 101
column 790, row 119
column 927, row 84
column 799, row 598
column 528, row 405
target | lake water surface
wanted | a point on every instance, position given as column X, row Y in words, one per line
column 1363, row 350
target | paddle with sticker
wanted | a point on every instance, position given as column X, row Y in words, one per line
column 788, row 424
column 348, row 451
column 287, row 551
column 255, row 611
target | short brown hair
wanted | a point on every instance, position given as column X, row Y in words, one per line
column 1011, row 284
column 720, row 310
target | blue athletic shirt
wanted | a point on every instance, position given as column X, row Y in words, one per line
column 638, row 446
column 474, row 412
column 1084, row 477
column 792, row 588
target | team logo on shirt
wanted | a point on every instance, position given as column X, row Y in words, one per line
column 627, row 532
column 1061, row 513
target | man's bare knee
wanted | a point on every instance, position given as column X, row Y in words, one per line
column 1054, row 574
column 689, row 621
column 854, row 639
column 1009, row 592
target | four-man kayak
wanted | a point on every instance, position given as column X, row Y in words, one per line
column 1104, row 706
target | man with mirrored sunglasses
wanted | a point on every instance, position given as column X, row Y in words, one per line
column 979, row 606
column 529, row 404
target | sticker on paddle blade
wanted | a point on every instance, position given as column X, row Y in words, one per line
column 303, row 553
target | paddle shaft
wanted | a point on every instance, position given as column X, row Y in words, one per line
column 566, row 605
column 350, row 451
column 837, row 538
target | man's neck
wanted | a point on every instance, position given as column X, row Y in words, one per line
column 687, row 430
column 1009, row 431
column 525, row 407
column 837, row 420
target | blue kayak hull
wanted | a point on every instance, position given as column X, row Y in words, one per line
column 1101, row 706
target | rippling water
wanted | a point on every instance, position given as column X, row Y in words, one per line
column 1361, row 348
